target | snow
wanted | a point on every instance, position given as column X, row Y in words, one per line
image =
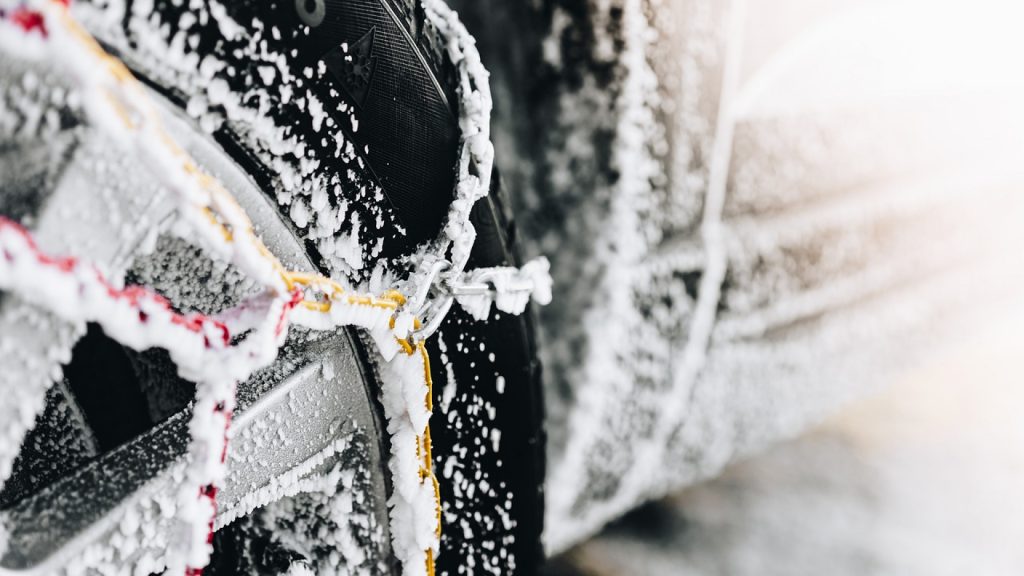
column 28, row 373
column 620, row 246
column 476, row 158
column 725, row 276
column 199, row 346
column 921, row 479
column 297, row 569
column 213, row 103
column 509, row 289
column 282, row 486
column 327, row 522
column 414, row 509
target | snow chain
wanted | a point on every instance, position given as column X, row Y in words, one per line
column 399, row 324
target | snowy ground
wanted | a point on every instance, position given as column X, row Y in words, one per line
column 922, row 480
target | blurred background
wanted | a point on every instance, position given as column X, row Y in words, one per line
column 922, row 479
column 786, row 239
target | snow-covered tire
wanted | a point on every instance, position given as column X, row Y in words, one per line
column 271, row 84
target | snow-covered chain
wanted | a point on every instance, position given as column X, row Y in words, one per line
column 200, row 346
column 509, row 289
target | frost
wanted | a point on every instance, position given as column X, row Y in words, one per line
column 298, row 569
column 478, row 500
column 509, row 289
column 326, row 519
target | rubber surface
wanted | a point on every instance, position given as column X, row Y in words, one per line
column 407, row 130
column 379, row 58
column 493, row 490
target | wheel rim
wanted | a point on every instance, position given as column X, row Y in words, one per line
column 295, row 420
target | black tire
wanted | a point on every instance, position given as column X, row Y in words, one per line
column 515, row 470
column 407, row 145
